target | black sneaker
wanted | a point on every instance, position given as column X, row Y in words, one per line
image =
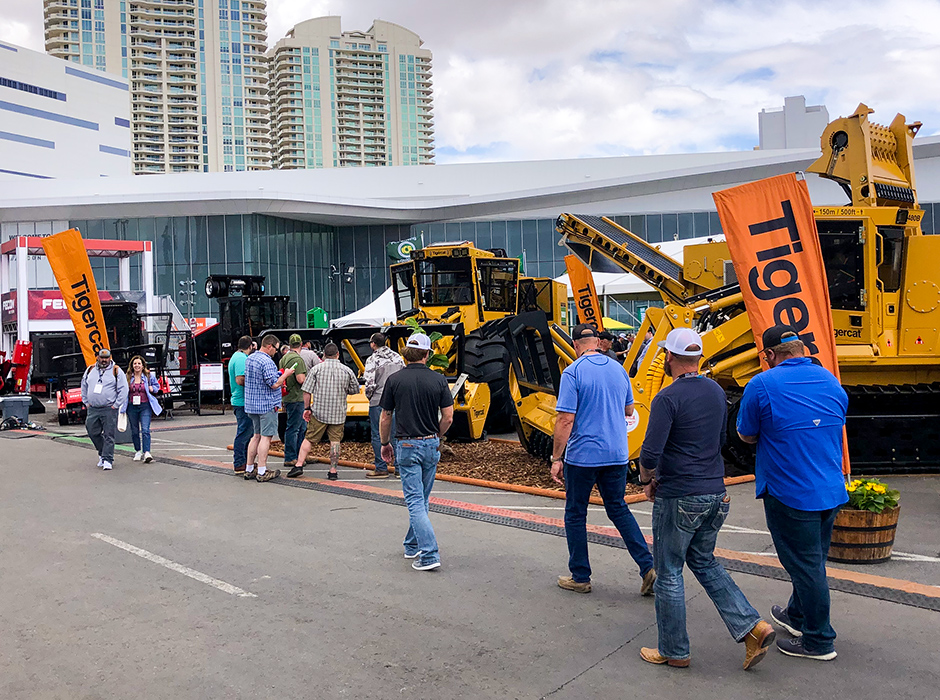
column 332, row 476
column 295, row 472
column 794, row 647
column 779, row 616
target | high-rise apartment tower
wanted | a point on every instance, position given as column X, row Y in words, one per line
column 197, row 73
column 353, row 98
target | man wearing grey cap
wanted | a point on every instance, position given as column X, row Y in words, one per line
column 104, row 389
column 683, row 472
column 590, row 448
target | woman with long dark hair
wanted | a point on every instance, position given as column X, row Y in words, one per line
column 142, row 405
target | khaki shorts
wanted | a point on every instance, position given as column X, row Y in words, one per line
column 315, row 430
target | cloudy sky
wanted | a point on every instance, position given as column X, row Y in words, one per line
column 534, row 79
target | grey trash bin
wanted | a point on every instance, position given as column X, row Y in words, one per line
column 15, row 406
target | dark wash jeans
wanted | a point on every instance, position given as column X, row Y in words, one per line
column 375, row 415
column 243, row 435
column 294, row 433
column 611, row 482
column 801, row 538
column 684, row 532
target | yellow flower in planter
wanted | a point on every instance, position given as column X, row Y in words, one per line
column 851, row 488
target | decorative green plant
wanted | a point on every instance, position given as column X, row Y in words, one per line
column 871, row 494
column 437, row 359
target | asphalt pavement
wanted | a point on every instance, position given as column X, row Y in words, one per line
column 163, row 581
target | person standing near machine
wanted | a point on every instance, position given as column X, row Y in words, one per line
column 104, row 391
column 382, row 364
column 262, row 399
column 236, row 383
column 141, row 406
column 293, row 401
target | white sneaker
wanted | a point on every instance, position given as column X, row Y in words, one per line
column 106, row 465
column 138, row 455
column 148, row 458
column 100, row 461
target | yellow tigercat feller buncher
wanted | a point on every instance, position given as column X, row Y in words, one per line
column 466, row 295
column 884, row 284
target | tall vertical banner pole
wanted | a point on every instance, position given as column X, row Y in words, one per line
column 771, row 233
column 72, row 269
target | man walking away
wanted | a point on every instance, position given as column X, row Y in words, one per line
column 324, row 395
column 310, row 357
column 795, row 412
column 382, row 364
column 293, row 401
column 594, row 400
column 683, row 471
column 262, row 399
column 236, row 382
column 417, row 395
column 104, row 390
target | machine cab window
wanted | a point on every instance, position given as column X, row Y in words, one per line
column 843, row 255
column 445, row 281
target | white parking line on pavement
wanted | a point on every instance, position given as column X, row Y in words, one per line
column 173, row 566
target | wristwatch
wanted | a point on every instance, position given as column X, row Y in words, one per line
column 647, row 483
column 386, row 444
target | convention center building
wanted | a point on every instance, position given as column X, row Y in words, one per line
column 320, row 236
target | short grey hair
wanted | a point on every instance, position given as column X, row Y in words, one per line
column 794, row 348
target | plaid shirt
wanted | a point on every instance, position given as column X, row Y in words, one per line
column 328, row 385
column 260, row 374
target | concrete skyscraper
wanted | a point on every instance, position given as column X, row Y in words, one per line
column 197, row 74
column 352, row 98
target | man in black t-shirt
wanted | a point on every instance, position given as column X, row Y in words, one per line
column 424, row 409
column 683, row 472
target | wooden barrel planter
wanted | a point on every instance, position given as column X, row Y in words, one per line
column 863, row 537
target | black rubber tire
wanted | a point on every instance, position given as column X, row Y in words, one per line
column 63, row 418
column 487, row 361
column 540, row 445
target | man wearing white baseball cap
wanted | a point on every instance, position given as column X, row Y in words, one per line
column 416, row 395
column 683, row 472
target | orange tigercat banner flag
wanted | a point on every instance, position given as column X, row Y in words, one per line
column 585, row 295
column 774, row 245
column 72, row 269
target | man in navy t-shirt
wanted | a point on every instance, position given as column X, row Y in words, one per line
column 594, row 400
column 795, row 413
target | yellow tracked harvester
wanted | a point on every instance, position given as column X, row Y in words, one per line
column 884, row 284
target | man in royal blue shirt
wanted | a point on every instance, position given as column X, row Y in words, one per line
column 594, row 400
column 795, row 413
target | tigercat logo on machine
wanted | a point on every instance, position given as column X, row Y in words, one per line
column 848, row 332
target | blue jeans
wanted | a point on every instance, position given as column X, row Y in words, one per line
column 801, row 538
column 243, row 435
column 612, row 483
column 684, row 532
column 375, row 413
column 138, row 417
column 416, row 462
column 294, row 433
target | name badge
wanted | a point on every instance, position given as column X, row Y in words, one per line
column 98, row 388
column 137, row 401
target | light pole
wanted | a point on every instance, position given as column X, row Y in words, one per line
column 187, row 295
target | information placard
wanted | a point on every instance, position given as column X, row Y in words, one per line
column 210, row 378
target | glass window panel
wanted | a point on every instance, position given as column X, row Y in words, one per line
column 654, row 228
column 700, row 224
column 547, row 240
column 451, row 232
column 435, row 233
column 513, row 238
column 670, row 227
column 714, row 223
column 232, row 250
column 685, row 225
column 468, row 231
column 498, row 235
column 637, row 225
column 530, row 240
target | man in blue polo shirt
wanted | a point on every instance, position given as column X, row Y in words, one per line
column 594, row 399
column 795, row 413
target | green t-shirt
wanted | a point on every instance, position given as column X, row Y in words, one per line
column 293, row 359
column 236, row 368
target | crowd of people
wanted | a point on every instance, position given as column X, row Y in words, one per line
column 794, row 413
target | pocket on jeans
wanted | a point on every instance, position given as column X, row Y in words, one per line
column 691, row 514
column 724, row 507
